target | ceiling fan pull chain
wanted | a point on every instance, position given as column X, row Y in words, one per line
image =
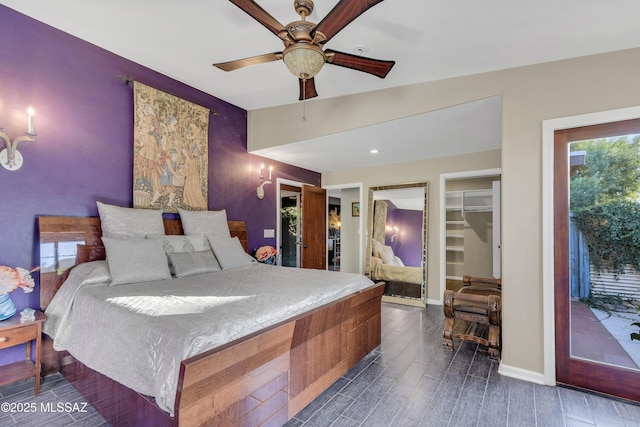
column 304, row 100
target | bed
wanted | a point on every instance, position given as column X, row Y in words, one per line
column 400, row 279
column 261, row 374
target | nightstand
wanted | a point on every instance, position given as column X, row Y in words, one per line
column 13, row 333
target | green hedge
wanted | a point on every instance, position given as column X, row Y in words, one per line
column 612, row 232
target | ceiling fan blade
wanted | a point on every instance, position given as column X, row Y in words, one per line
column 377, row 67
column 260, row 15
column 341, row 15
column 254, row 60
column 307, row 89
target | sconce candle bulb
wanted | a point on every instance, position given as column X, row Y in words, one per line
column 30, row 127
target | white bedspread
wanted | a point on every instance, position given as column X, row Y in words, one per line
column 398, row 273
column 138, row 334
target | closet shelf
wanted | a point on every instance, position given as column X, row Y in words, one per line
column 481, row 208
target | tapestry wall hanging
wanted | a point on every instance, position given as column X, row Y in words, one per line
column 170, row 151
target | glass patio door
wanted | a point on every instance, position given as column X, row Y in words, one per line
column 597, row 286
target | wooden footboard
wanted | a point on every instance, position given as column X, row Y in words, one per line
column 268, row 377
column 262, row 379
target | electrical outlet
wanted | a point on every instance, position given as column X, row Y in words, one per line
column 269, row 233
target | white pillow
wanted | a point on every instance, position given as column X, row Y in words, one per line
column 129, row 223
column 230, row 253
column 377, row 248
column 387, row 255
column 135, row 260
column 190, row 263
column 174, row 244
column 180, row 243
column 398, row 261
column 205, row 222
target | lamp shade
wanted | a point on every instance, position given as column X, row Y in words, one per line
column 303, row 60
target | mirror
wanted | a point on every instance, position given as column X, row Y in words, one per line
column 397, row 242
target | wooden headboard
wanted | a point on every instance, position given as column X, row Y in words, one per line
column 63, row 233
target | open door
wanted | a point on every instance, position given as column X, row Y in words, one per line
column 314, row 225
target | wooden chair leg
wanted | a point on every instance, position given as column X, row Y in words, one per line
column 494, row 342
column 494, row 313
column 447, row 334
column 449, row 314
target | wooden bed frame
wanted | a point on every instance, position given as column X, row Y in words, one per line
column 261, row 379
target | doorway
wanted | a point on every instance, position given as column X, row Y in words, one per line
column 344, row 234
column 469, row 227
column 301, row 225
column 595, row 181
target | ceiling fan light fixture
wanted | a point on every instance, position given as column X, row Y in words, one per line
column 303, row 60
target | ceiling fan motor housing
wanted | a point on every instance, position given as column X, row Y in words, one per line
column 303, row 7
column 300, row 31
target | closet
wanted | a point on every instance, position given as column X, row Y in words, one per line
column 472, row 228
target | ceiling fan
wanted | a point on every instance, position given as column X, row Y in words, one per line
column 303, row 40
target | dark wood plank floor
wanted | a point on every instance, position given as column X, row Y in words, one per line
column 410, row 380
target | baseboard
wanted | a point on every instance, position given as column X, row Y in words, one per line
column 434, row 302
column 521, row 374
column 405, row 301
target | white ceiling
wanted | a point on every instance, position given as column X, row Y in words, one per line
column 467, row 128
column 428, row 39
column 403, row 198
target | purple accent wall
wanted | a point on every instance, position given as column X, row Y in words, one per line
column 408, row 244
column 83, row 151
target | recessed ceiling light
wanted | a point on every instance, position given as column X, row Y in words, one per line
column 360, row 50
column 374, row 151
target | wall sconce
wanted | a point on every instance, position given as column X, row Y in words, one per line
column 10, row 157
column 260, row 190
column 395, row 233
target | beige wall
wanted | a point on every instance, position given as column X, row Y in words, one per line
column 529, row 96
column 349, row 260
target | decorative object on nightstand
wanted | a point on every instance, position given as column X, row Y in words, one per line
column 10, row 280
column 10, row 157
column 266, row 254
column 14, row 332
column 27, row 315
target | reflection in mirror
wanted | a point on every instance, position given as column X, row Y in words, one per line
column 396, row 245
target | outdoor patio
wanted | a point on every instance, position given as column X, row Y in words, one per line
column 603, row 335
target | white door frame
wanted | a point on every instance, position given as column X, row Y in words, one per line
column 443, row 217
column 361, row 249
